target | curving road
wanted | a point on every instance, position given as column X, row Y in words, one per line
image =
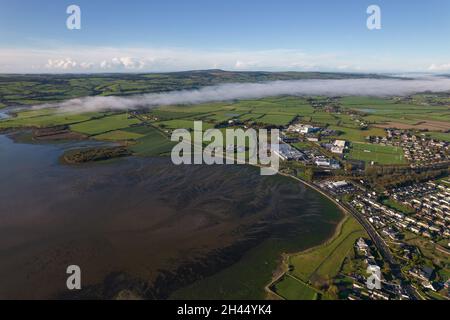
column 378, row 241
column 383, row 249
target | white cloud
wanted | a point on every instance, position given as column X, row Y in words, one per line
column 123, row 62
column 232, row 91
column 439, row 67
column 246, row 64
column 66, row 64
column 86, row 65
column 63, row 64
column 101, row 59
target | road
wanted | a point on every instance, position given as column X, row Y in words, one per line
column 378, row 241
column 383, row 249
column 376, row 238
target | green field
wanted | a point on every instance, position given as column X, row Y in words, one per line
column 302, row 145
column 362, row 102
column 440, row 136
column 276, row 119
column 151, row 143
column 270, row 111
column 390, row 106
column 378, row 153
column 109, row 123
column 291, row 288
column 324, row 262
column 45, row 118
column 166, row 114
column 222, row 116
column 357, row 135
column 38, row 89
column 119, row 135
column 391, row 203
column 181, row 124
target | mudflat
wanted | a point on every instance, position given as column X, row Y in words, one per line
column 138, row 227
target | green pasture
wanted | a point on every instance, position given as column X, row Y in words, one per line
column 109, row 123
column 324, row 262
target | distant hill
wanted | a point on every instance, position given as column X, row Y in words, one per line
column 31, row 89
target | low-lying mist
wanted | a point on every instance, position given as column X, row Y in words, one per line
column 233, row 91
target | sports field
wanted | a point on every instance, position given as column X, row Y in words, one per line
column 378, row 153
column 291, row 288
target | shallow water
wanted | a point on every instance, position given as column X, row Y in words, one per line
column 3, row 115
column 143, row 224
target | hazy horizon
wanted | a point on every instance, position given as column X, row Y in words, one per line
column 385, row 73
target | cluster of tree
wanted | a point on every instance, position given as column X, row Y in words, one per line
column 94, row 154
column 385, row 177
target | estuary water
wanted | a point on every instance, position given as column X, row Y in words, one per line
column 144, row 228
column 3, row 115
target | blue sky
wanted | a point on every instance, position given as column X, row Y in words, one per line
column 153, row 35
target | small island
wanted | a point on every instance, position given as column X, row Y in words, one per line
column 85, row 155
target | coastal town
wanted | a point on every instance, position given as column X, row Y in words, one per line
column 394, row 184
column 411, row 220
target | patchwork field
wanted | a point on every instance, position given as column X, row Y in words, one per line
column 357, row 135
column 119, row 135
column 151, row 143
column 421, row 125
column 379, row 113
column 109, row 123
column 38, row 89
column 273, row 111
column 276, row 119
column 45, row 118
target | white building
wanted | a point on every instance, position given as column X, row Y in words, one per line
column 339, row 146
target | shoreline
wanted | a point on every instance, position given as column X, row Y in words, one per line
column 284, row 264
column 282, row 267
